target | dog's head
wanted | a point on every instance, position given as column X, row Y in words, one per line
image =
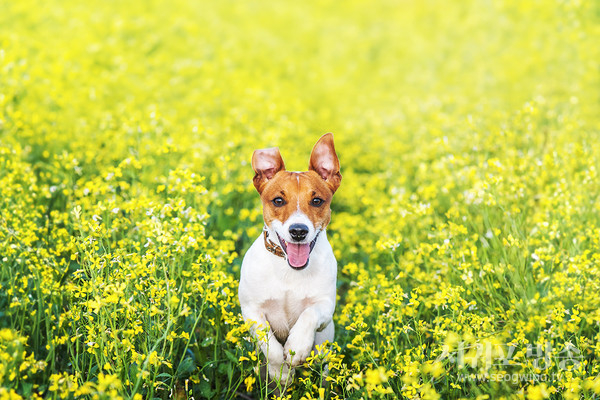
column 296, row 204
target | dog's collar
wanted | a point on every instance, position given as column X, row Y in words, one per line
column 272, row 246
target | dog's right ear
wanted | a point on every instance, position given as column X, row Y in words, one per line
column 266, row 163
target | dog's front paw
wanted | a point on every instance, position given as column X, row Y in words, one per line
column 275, row 355
column 298, row 347
column 281, row 373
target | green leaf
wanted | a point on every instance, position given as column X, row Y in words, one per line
column 186, row 367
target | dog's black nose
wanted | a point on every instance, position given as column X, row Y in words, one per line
column 298, row 232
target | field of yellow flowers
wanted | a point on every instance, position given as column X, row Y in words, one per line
column 466, row 228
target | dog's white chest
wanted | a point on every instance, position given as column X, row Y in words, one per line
column 271, row 287
column 282, row 313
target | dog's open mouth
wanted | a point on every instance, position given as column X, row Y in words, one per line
column 297, row 253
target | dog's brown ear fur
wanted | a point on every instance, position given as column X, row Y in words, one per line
column 266, row 163
column 324, row 161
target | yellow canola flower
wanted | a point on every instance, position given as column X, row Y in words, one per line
column 376, row 376
column 538, row 392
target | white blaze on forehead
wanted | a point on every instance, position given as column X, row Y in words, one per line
column 298, row 179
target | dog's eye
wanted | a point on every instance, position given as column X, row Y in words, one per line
column 317, row 202
column 278, row 202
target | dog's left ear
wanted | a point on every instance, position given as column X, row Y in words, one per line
column 324, row 162
column 266, row 163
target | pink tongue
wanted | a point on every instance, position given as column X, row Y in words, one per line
column 298, row 254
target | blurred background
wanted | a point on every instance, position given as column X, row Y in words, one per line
column 217, row 71
column 185, row 83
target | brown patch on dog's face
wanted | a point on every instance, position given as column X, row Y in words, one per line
column 290, row 192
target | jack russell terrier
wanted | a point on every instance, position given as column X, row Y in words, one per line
column 288, row 276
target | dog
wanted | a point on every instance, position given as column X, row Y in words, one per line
column 288, row 275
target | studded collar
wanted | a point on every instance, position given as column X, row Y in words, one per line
column 272, row 246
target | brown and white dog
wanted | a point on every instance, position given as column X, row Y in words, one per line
column 288, row 276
